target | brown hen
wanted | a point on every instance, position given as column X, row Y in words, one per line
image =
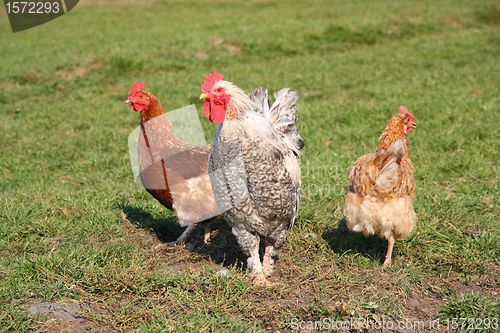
column 381, row 187
column 173, row 172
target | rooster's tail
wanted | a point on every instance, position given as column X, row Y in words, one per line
column 282, row 114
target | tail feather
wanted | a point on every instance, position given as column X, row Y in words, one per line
column 284, row 106
column 282, row 114
column 260, row 98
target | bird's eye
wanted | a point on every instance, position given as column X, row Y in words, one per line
column 140, row 96
column 219, row 90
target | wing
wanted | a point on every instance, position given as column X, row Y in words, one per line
column 161, row 144
column 254, row 184
column 194, row 200
column 377, row 174
column 228, row 177
column 177, row 176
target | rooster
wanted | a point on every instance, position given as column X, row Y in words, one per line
column 173, row 172
column 254, row 166
column 381, row 187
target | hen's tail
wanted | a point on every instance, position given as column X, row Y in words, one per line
column 282, row 114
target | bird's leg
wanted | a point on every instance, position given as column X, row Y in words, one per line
column 268, row 262
column 206, row 237
column 249, row 243
column 180, row 238
column 387, row 262
column 256, row 267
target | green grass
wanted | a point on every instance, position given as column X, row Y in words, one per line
column 471, row 311
column 75, row 228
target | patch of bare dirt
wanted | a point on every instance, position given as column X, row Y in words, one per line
column 31, row 76
column 454, row 20
column 7, row 86
column 230, row 46
column 201, row 55
column 67, row 317
column 79, row 69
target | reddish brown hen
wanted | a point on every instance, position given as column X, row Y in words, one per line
column 173, row 172
column 381, row 187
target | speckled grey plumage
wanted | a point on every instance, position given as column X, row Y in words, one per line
column 253, row 186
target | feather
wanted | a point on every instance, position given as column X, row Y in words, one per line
column 260, row 98
column 389, row 172
column 281, row 115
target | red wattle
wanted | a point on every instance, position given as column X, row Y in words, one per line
column 206, row 109
column 138, row 107
column 214, row 111
column 218, row 113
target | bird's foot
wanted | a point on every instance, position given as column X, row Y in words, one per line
column 207, row 238
column 257, row 271
column 179, row 240
column 387, row 263
column 260, row 280
column 164, row 245
column 267, row 272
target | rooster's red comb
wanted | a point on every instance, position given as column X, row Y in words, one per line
column 136, row 87
column 405, row 111
column 210, row 81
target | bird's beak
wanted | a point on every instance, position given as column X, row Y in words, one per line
column 128, row 101
column 413, row 125
column 203, row 96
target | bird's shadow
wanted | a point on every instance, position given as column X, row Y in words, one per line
column 342, row 240
column 222, row 249
column 166, row 229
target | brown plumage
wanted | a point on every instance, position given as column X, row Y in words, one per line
column 381, row 187
column 173, row 172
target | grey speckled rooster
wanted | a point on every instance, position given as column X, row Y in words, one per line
column 254, row 166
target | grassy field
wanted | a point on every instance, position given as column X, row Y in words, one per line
column 75, row 229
